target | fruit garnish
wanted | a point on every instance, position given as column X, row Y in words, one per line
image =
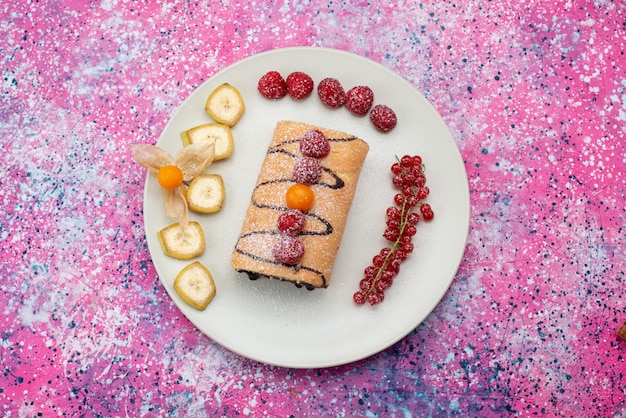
column 218, row 132
column 408, row 176
column 170, row 177
column 331, row 93
column 191, row 161
column 182, row 242
column 195, row 286
column 383, row 118
column 272, row 85
column 205, row 193
column 225, row 104
column 291, row 222
column 300, row 196
column 359, row 100
column 288, row 249
column 299, row 85
column 307, row 170
column 314, row 144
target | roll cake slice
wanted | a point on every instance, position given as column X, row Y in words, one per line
column 324, row 222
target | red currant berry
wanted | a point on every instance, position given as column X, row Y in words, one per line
column 426, row 211
column 417, row 160
column 393, row 213
column 387, row 276
column 399, row 199
column 299, row 85
column 366, row 284
column 413, row 218
column 398, row 180
column 378, row 261
column 375, row 297
column 370, row 272
column 331, row 93
column 423, row 193
column 385, row 252
column 394, row 265
column 407, row 247
column 408, row 179
column 412, row 200
column 359, row 100
column 314, row 144
column 359, row 298
column 409, row 231
column 307, row 170
column 291, row 222
column 381, row 286
column 396, row 168
column 393, row 224
column 272, row 86
column 406, row 161
column 391, row 234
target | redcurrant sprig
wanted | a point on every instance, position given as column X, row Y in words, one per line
column 408, row 176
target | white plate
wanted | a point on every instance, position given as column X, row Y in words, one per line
column 274, row 322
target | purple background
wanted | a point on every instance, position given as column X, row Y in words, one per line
column 534, row 94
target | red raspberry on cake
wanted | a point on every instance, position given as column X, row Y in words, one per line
column 331, row 93
column 383, row 118
column 299, row 85
column 291, row 222
column 314, row 144
column 288, row 249
column 272, row 85
column 359, row 100
column 307, row 170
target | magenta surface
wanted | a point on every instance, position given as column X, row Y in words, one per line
column 534, row 94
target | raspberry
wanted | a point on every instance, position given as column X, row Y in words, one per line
column 331, row 93
column 299, row 85
column 291, row 222
column 359, row 100
column 307, row 170
column 383, row 118
column 288, row 249
column 314, row 144
column 272, row 85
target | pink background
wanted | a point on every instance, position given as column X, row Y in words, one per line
column 534, row 95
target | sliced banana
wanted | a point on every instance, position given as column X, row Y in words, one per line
column 182, row 243
column 195, row 285
column 219, row 132
column 206, row 193
column 225, row 104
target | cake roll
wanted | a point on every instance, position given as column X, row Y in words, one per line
column 324, row 221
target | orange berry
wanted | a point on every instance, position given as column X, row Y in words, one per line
column 300, row 196
column 170, row 177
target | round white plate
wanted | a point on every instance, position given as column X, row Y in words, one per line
column 274, row 322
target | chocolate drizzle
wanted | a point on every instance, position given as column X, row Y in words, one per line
column 327, row 229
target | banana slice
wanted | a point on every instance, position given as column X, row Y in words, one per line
column 219, row 132
column 195, row 285
column 206, row 193
column 182, row 243
column 225, row 104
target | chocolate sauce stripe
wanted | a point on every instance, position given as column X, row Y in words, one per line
column 296, row 267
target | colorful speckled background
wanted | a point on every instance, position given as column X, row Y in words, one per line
column 534, row 94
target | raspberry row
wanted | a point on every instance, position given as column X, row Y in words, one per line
column 299, row 85
column 402, row 220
